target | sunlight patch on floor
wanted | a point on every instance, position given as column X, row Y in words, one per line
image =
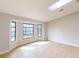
column 34, row 46
column 30, row 48
column 41, row 43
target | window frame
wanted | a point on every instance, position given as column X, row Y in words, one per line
column 15, row 30
column 23, row 33
column 38, row 30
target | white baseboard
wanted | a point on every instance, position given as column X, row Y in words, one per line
column 66, row 43
column 16, row 46
column 4, row 52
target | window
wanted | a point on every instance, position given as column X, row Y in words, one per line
column 39, row 30
column 28, row 30
column 13, row 31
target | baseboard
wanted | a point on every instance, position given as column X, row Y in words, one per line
column 66, row 43
column 5, row 52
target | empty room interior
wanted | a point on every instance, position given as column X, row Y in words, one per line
column 39, row 28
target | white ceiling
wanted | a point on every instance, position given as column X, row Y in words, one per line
column 37, row 9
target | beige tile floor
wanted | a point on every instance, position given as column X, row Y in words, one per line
column 44, row 49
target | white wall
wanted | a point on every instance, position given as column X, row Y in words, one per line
column 4, row 32
column 5, row 43
column 65, row 30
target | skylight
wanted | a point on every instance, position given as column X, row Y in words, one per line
column 59, row 4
